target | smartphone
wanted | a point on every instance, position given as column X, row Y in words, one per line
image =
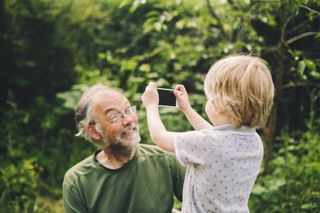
column 166, row 97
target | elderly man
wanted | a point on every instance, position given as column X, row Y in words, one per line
column 123, row 175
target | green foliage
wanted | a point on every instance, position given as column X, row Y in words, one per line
column 51, row 51
column 19, row 173
column 18, row 183
column 294, row 184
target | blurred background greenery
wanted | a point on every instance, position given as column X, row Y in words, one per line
column 52, row 50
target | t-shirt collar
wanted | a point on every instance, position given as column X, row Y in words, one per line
column 231, row 127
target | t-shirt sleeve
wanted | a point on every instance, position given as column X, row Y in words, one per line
column 191, row 147
column 72, row 199
column 178, row 174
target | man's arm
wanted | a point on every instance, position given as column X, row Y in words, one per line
column 72, row 200
column 178, row 178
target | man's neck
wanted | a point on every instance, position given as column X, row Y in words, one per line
column 115, row 160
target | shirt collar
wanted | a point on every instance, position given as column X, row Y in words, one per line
column 231, row 127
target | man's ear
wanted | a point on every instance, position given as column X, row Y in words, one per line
column 93, row 133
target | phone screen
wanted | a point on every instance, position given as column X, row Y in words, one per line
column 166, row 97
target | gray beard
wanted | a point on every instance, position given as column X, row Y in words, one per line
column 119, row 148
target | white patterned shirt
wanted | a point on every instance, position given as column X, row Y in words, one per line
column 222, row 165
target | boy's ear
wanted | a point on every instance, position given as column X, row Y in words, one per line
column 220, row 111
column 93, row 133
column 223, row 113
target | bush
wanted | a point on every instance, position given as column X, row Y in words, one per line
column 18, row 183
column 294, row 184
column 19, row 173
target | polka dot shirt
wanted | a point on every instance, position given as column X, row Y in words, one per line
column 222, row 166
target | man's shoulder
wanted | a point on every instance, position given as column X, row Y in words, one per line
column 152, row 156
column 153, row 150
column 79, row 169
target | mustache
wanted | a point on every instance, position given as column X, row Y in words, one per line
column 130, row 127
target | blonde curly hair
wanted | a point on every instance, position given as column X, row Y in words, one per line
column 241, row 85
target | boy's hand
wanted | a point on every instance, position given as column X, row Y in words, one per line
column 181, row 95
column 150, row 96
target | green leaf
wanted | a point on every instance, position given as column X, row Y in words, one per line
column 145, row 67
column 310, row 64
column 301, row 68
column 258, row 189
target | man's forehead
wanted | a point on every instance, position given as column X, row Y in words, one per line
column 110, row 100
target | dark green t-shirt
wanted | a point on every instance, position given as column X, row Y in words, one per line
column 147, row 183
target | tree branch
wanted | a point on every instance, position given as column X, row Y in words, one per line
column 213, row 13
column 311, row 10
column 291, row 40
column 301, row 84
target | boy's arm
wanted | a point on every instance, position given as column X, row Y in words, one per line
column 158, row 132
column 196, row 120
column 193, row 117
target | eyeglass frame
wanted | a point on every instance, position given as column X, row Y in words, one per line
column 119, row 116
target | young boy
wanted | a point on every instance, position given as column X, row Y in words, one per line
column 222, row 160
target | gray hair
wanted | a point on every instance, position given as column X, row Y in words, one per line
column 84, row 115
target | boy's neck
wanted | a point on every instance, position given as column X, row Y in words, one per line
column 223, row 119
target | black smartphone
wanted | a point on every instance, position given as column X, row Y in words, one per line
column 166, row 97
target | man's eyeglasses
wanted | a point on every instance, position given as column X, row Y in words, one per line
column 117, row 117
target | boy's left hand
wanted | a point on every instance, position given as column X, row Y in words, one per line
column 150, row 96
column 181, row 95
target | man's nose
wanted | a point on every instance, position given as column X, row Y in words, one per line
column 127, row 118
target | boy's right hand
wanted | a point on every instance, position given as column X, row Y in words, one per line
column 181, row 95
column 150, row 97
